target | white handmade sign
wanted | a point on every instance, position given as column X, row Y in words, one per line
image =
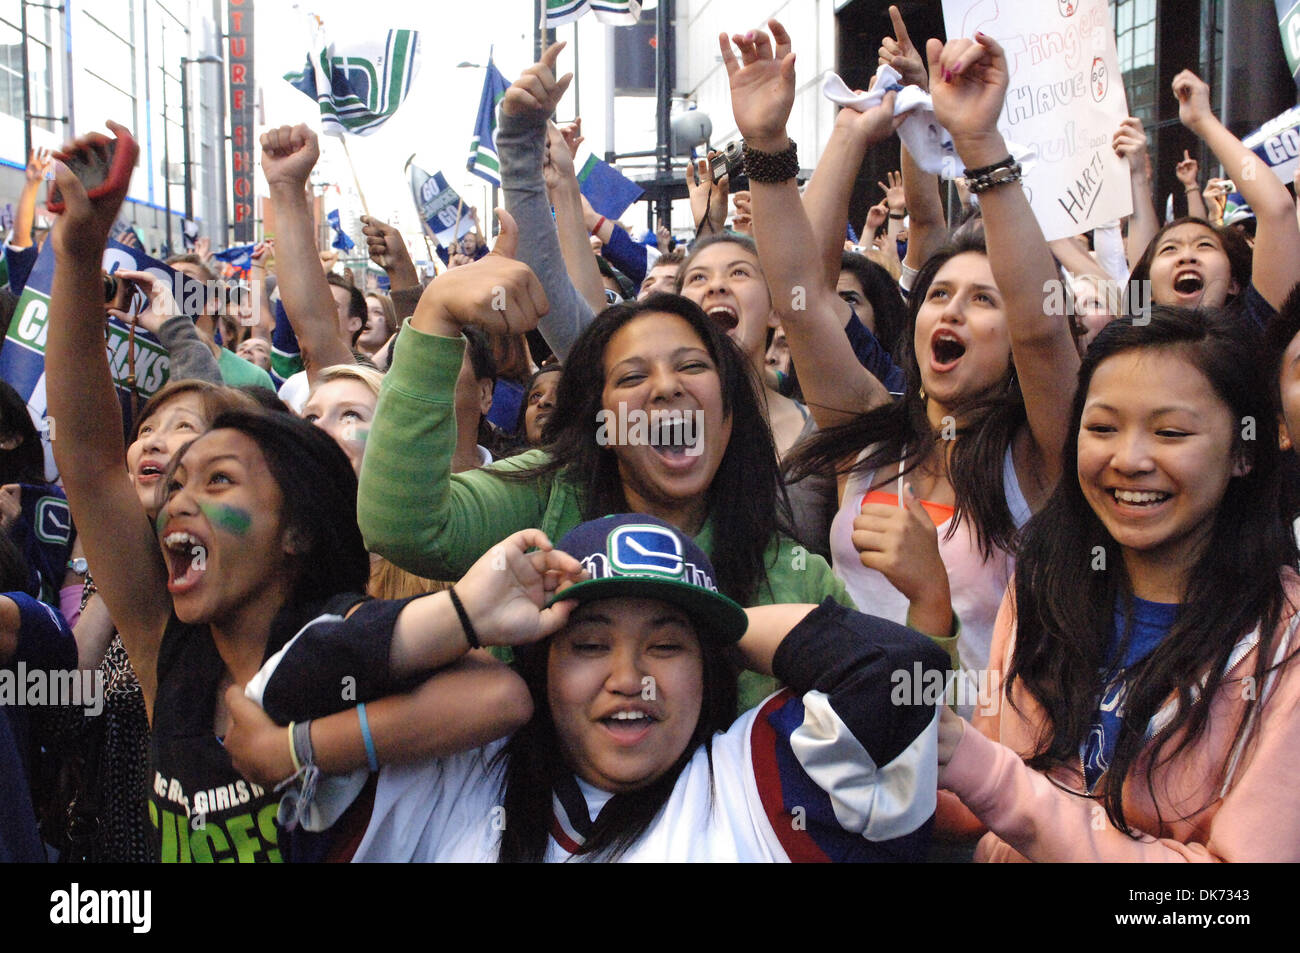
column 1064, row 102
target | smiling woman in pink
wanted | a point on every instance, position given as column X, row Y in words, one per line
column 1148, row 690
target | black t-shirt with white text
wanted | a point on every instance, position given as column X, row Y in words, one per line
column 202, row 809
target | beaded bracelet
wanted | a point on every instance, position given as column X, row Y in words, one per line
column 772, row 167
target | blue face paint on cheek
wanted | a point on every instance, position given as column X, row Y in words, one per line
column 232, row 519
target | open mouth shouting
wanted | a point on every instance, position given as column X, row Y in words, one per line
column 1188, row 284
column 946, row 350
column 677, row 436
column 187, row 561
column 724, row 316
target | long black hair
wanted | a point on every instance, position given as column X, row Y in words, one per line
column 25, row 463
column 746, row 502
column 901, row 432
column 881, row 291
column 1066, row 603
column 534, row 762
column 1234, row 245
column 319, row 489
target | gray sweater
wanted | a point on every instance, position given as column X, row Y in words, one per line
column 521, row 144
column 188, row 353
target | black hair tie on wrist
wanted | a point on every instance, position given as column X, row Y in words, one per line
column 470, row 635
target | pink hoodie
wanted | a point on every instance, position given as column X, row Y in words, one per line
column 1252, row 815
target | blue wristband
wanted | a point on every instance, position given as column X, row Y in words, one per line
column 371, row 757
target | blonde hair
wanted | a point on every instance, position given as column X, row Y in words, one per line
column 368, row 376
column 389, row 582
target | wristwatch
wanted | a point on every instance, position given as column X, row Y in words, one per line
column 78, row 565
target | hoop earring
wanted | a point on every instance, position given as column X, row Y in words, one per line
column 922, row 393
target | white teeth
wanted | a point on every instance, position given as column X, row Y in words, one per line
column 1130, row 496
column 179, row 540
column 628, row 715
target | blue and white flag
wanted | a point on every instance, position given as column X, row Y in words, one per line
column 441, row 209
column 483, row 159
column 341, row 240
column 22, row 359
column 609, row 12
column 1277, row 142
column 359, row 88
column 239, row 257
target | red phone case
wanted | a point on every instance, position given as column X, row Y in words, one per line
column 125, row 152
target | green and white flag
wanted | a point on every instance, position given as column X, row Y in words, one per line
column 359, row 88
column 609, row 12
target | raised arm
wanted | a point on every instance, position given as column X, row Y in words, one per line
column 826, row 197
column 927, row 228
column 1188, row 172
column 1275, row 266
column 521, row 141
column 190, row 355
column 708, row 197
column 570, row 223
column 89, row 446
column 288, row 156
column 836, row 386
column 388, row 251
column 1130, row 142
column 967, row 103
column 410, row 507
column 25, row 212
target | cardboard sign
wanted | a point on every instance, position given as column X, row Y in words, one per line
column 1064, row 101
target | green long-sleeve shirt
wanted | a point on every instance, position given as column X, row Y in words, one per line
column 414, row 512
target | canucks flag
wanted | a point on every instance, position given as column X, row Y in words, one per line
column 358, row 89
column 341, row 240
column 609, row 12
column 439, row 205
column 22, row 359
column 608, row 190
column 483, row 160
column 239, row 257
column 1288, row 22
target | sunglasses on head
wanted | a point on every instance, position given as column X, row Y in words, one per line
column 612, row 297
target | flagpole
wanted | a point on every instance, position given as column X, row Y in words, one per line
column 433, row 259
column 355, row 179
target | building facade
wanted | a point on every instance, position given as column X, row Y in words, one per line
column 94, row 60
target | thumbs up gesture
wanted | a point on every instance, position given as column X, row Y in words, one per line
column 496, row 293
column 902, row 543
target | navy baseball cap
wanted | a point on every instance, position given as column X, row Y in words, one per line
column 639, row 556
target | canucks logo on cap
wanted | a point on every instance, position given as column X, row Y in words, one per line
column 640, row 549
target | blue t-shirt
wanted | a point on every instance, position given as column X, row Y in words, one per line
column 1151, row 623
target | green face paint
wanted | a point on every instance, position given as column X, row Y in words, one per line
column 229, row 518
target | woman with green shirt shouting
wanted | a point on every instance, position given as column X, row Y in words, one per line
column 657, row 412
